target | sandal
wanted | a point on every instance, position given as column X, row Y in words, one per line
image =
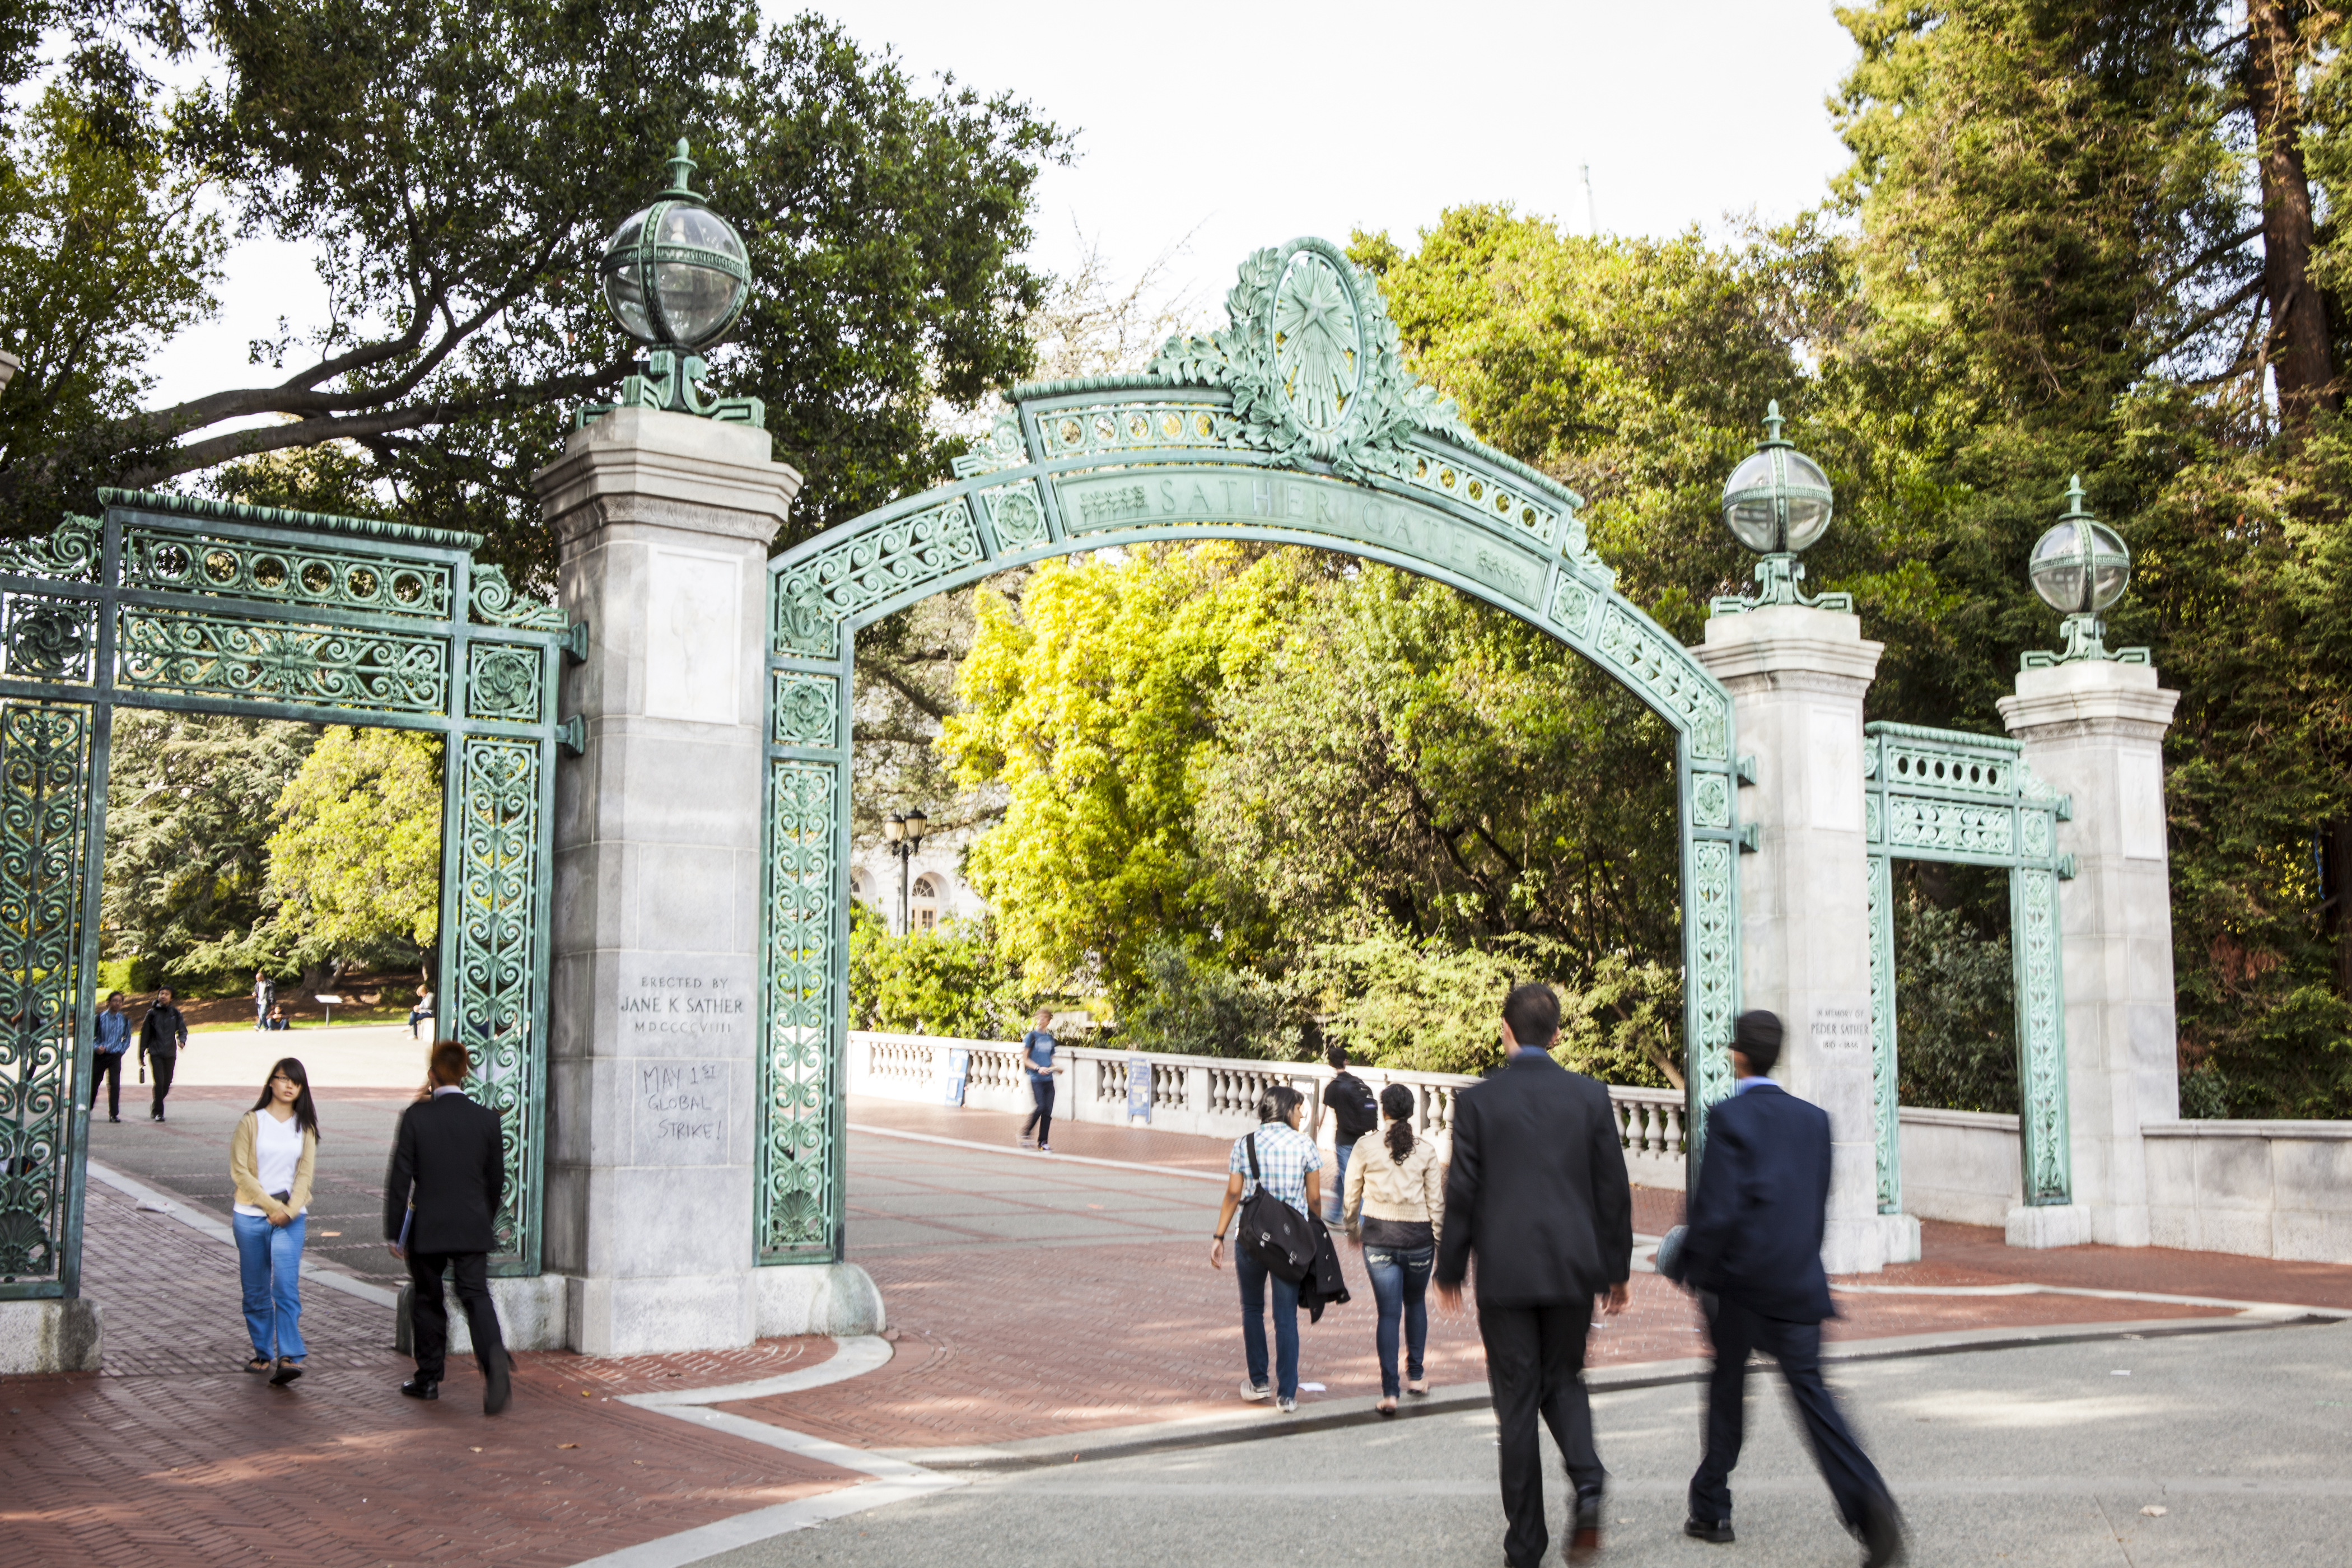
column 1387, row 1407
column 287, row 1371
column 257, row 1365
column 1418, row 1386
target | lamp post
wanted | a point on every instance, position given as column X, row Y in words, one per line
column 1777, row 503
column 676, row 277
column 902, row 833
column 2080, row 566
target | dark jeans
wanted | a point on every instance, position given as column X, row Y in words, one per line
column 1255, row 1280
column 107, row 1065
column 1854, row 1480
column 159, row 1068
column 1535, row 1362
column 1335, row 1190
column 1400, row 1285
column 428, row 1310
column 1041, row 1120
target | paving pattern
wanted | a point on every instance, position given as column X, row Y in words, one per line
column 1031, row 1296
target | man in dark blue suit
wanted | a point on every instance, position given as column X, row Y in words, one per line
column 1754, row 1252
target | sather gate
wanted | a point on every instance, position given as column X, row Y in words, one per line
column 1297, row 424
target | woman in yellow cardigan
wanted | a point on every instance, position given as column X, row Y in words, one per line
column 270, row 1156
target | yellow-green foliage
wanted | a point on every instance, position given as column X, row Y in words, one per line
column 357, row 857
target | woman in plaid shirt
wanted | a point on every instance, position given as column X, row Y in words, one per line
column 1288, row 1164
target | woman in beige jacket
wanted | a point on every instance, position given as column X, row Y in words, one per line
column 271, row 1158
column 1396, row 1183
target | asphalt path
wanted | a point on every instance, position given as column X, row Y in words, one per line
column 2224, row 1448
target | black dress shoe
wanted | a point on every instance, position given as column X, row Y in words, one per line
column 1718, row 1532
column 1584, row 1539
column 420, row 1388
column 500, row 1389
column 1881, row 1534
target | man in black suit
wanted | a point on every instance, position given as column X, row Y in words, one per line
column 448, row 1173
column 1538, row 1190
column 1754, row 1252
column 161, row 1033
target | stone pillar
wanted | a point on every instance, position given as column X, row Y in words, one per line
column 662, row 522
column 1797, row 676
column 2094, row 729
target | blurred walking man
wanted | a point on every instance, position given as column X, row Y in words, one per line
column 161, row 1033
column 1754, row 1254
column 1537, row 1192
column 440, row 1203
column 110, row 1036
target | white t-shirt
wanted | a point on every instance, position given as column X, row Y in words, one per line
column 277, row 1150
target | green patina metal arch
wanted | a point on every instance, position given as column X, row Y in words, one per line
column 1297, row 424
column 198, row 607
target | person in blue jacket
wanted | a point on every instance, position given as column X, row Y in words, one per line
column 1753, row 1252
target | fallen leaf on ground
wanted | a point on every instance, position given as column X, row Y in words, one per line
column 2154, row 1510
column 567, row 1445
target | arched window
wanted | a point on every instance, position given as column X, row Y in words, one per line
column 923, row 904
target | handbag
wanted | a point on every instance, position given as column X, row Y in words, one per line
column 1273, row 1232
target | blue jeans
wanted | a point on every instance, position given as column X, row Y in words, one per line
column 1335, row 1194
column 1254, row 1279
column 1400, row 1285
column 269, row 1263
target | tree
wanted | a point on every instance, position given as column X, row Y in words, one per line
column 949, row 980
column 454, row 169
column 189, row 798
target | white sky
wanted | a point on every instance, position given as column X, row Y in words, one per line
column 1248, row 125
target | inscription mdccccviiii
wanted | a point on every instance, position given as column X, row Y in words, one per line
column 1143, row 498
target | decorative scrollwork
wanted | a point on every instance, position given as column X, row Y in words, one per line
column 503, row 682
column 804, row 711
column 48, row 638
column 70, row 553
column 221, row 567
column 1016, row 515
column 1313, row 365
column 797, row 1197
column 498, row 867
column 496, row 602
column 169, row 650
column 1653, row 664
column 2042, row 1036
column 1714, row 951
column 44, row 812
column 1879, row 878
column 813, row 596
column 1711, row 800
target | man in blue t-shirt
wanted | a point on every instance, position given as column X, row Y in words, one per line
column 1037, row 1056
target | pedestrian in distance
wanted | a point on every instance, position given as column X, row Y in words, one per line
column 161, row 1034
column 1396, row 1204
column 277, row 1019
column 271, row 1156
column 110, row 1036
column 1753, row 1252
column 1353, row 1116
column 265, row 996
column 1037, row 1057
column 422, row 1012
column 441, row 1198
column 1284, row 1161
column 1538, row 1193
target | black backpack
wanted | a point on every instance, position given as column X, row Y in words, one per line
column 1274, row 1233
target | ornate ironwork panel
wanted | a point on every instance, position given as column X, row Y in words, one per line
column 1296, row 423
column 207, row 607
column 1941, row 795
column 799, row 1211
column 44, row 790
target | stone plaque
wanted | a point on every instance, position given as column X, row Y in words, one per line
column 1840, row 1031
column 1833, row 769
column 681, row 1112
column 693, row 611
column 679, row 1014
column 2139, row 780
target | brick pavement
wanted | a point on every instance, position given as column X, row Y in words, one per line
column 174, row 1455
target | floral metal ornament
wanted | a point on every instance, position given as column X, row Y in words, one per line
column 1313, row 365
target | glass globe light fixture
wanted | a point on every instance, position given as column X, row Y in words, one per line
column 676, row 274
column 2080, row 566
column 1778, row 502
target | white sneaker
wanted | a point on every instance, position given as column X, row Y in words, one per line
column 1254, row 1392
column 1285, row 1405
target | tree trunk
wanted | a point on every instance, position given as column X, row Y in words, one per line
column 2299, row 353
column 2336, row 895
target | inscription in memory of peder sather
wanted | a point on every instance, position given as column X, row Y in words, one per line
column 1143, row 498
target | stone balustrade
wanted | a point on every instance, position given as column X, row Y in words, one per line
column 1213, row 1096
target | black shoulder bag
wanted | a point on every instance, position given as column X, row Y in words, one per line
column 1274, row 1233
